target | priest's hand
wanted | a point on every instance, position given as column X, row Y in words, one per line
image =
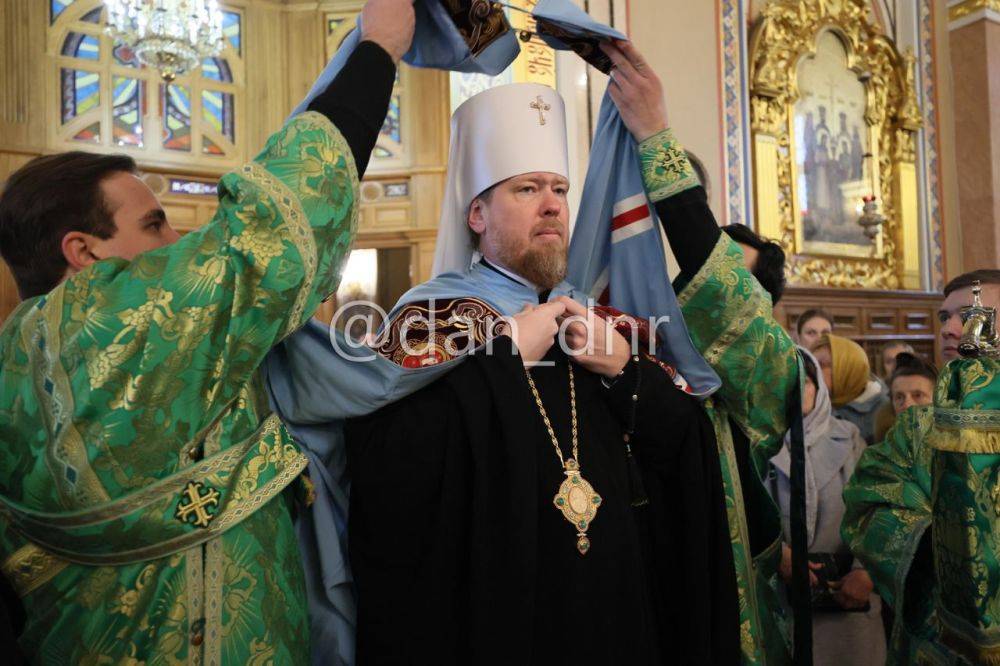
column 390, row 24
column 534, row 329
column 852, row 591
column 785, row 568
column 636, row 90
column 591, row 341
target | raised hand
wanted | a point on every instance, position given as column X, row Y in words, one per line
column 636, row 90
column 390, row 24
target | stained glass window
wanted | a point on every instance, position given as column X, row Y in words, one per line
column 216, row 69
column 124, row 55
column 389, row 145
column 390, row 128
column 217, row 111
column 80, row 45
column 81, row 91
column 232, row 30
column 91, row 133
column 57, row 8
column 175, row 102
column 196, row 114
column 129, row 109
column 93, row 16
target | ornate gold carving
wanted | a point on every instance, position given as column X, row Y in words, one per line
column 960, row 10
column 787, row 32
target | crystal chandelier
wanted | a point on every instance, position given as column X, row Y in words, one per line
column 170, row 36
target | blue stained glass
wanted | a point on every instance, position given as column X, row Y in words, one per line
column 129, row 108
column 80, row 92
column 390, row 128
column 231, row 29
column 217, row 111
column 216, row 69
column 175, row 100
column 80, row 45
column 58, row 7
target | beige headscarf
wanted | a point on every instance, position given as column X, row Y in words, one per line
column 850, row 368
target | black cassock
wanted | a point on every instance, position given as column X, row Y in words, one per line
column 460, row 556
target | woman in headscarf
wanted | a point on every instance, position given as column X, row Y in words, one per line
column 911, row 383
column 856, row 393
column 847, row 624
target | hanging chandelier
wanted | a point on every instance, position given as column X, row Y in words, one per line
column 170, row 36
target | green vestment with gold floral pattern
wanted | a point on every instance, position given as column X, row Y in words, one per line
column 142, row 512
column 729, row 316
column 923, row 514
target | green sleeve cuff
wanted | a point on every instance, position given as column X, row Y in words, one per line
column 666, row 169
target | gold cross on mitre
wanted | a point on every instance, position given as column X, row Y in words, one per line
column 198, row 504
column 540, row 106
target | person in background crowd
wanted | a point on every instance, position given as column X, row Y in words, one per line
column 857, row 394
column 847, row 624
column 912, row 383
column 813, row 325
column 958, row 294
column 889, row 353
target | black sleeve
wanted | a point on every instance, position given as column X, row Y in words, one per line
column 357, row 100
column 643, row 393
column 690, row 227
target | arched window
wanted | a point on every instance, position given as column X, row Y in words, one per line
column 107, row 99
column 390, row 147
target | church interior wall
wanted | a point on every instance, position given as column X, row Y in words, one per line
column 698, row 48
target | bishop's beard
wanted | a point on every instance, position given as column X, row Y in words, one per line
column 544, row 265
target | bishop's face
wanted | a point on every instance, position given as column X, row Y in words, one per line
column 523, row 225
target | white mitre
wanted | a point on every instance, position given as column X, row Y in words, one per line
column 500, row 133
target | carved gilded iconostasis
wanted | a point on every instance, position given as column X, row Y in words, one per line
column 833, row 119
column 834, row 125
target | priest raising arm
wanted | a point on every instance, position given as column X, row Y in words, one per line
column 727, row 287
column 142, row 474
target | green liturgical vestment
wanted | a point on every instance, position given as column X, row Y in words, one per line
column 142, row 518
column 923, row 513
column 729, row 316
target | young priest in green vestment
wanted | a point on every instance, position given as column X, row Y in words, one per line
column 142, row 512
column 923, row 507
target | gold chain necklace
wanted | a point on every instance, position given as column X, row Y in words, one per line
column 576, row 500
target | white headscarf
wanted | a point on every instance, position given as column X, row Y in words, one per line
column 828, row 444
column 500, row 133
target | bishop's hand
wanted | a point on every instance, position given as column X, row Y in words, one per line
column 636, row 90
column 534, row 329
column 390, row 24
column 592, row 342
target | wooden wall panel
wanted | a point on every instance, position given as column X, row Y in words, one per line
column 871, row 318
column 284, row 45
